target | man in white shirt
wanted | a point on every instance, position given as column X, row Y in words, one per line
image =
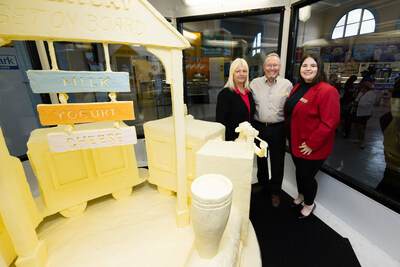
column 270, row 92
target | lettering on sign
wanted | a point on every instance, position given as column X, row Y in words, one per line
column 78, row 81
column 102, row 21
column 8, row 63
column 82, row 16
column 92, row 112
column 62, row 142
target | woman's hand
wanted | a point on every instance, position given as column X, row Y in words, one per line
column 305, row 149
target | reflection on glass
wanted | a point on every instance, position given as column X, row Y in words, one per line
column 367, row 15
column 338, row 32
column 214, row 45
column 367, row 26
column 351, row 29
column 354, row 16
column 365, row 56
column 150, row 93
column 342, row 21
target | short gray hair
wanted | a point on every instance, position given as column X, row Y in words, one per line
column 272, row 55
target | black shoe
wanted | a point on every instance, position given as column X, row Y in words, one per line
column 302, row 216
column 294, row 205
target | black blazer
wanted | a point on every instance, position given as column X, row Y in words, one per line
column 232, row 110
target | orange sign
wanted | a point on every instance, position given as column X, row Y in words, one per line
column 91, row 112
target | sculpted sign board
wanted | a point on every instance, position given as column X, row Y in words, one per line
column 62, row 142
column 102, row 21
column 78, row 113
column 78, row 81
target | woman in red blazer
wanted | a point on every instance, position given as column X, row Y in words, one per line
column 312, row 113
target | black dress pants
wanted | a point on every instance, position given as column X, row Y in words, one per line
column 306, row 170
column 274, row 135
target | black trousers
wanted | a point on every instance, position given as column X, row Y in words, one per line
column 306, row 170
column 275, row 136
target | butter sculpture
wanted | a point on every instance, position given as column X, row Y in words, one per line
column 214, row 156
column 161, row 150
column 75, row 163
column 70, row 178
column 210, row 209
column 19, row 214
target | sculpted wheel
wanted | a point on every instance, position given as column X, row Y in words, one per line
column 124, row 193
column 74, row 211
column 164, row 191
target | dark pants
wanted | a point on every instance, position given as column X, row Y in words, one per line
column 275, row 136
column 306, row 170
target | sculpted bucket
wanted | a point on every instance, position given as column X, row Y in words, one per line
column 211, row 205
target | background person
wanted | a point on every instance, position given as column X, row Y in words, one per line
column 364, row 102
column 235, row 103
column 312, row 113
column 270, row 92
column 346, row 103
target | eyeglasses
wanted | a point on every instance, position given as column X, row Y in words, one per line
column 272, row 66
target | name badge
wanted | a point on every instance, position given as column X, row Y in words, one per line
column 303, row 100
column 283, row 93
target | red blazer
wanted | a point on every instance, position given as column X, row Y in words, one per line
column 314, row 121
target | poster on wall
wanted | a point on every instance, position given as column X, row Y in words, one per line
column 311, row 50
column 326, row 54
column 391, row 53
column 363, row 52
column 339, row 53
column 298, row 56
column 336, row 54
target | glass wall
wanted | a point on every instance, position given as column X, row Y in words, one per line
column 360, row 39
column 215, row 43
column 18, row 115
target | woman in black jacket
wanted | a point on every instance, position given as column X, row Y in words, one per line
column 235, row 103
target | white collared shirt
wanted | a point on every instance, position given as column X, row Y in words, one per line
column 270, row 99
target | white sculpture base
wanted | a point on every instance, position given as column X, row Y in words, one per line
column 122, row 233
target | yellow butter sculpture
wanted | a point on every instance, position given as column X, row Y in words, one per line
column 65, row 175
column 69, row 179
column 161, row 150
column 75, row 163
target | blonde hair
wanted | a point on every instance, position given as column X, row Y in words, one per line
column 235, row 64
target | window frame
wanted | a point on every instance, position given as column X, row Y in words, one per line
column 293, row 32
column 360, row 22
column 245, row 13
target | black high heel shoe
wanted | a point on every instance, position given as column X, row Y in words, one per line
column 302, row 216
column 294, row 205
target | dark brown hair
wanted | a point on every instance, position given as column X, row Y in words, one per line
column 320, row 77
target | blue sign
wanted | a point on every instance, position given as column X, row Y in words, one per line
column 8, row 63
column 43, row 81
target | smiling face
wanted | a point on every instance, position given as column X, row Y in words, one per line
column 240, row 75
column 272, row 66
column 309, row 69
